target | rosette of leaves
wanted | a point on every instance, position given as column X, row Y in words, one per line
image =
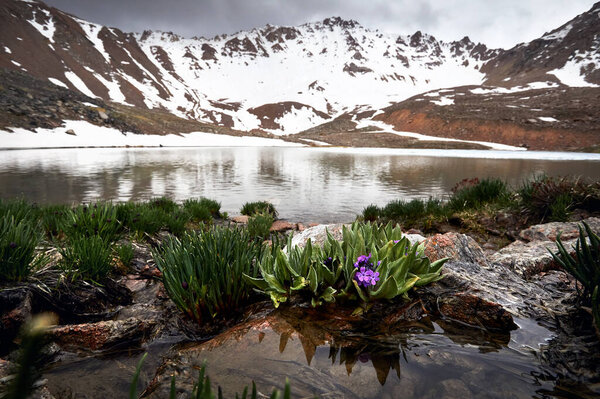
column 202, row 271
column 301, row 271
column 329, row 273
column 400, row 265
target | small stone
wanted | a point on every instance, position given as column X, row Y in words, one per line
column 281, row 225
column 243, row 219
column 102, row 115
column 71, row 132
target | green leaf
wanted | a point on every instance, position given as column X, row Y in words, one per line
column 387, row 290
column 274, row 284
column 259, row 283
column 312, row 279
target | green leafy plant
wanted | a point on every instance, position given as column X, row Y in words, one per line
column 200, row 210
column 584, row 265
column 560, row 208
column 146, row 220
column 18, row 240
column 175, row 222
column 343, row 270
column 252, row 208
column 125, row 253
column 53, row 218
column 550, row 198
column 478, row 193
column 163, row 203
column 87, row 258
column 202, row 271
column 411, row 212
column 99, row 219
column 18, row 208
column 260, row 224
column 300, row 270
column 371, row 213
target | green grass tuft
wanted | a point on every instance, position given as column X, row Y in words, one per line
column 252, row 208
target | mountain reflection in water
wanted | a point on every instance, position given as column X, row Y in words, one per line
column 308, row 185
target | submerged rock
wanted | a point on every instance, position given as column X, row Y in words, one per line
column 101, row 335
column 328, row 353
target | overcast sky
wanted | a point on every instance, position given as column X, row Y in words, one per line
column 496, row 23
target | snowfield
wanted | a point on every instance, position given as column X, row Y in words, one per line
column 89, row 135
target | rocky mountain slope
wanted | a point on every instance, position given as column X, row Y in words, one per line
column 286, row 80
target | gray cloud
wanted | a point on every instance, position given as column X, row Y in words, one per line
column 495, row 23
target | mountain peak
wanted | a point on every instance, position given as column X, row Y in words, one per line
column 339, row 21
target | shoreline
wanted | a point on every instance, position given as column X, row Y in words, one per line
column 423, row 152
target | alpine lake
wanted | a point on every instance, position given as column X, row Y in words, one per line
column 425, row 359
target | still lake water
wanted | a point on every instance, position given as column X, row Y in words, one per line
column 305, row 184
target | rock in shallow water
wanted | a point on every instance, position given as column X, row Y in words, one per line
column 101, row 335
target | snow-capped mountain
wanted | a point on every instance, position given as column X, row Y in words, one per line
column 284, row 79
column 280, row 79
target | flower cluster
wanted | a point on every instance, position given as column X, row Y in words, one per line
column 365, row 275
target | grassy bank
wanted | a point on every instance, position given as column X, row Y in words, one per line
column 475, row 205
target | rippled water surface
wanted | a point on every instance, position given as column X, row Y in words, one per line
column 320, row 185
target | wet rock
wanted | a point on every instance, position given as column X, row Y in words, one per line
column 7, row 375
column 455, row 389
column 528, row 258
column 77, row 302
column 240, row 219
column 549, row 231
column 15, row 310
column 458, row 247
column 413, row 311
column 543, row 296
column 318, row 234
column 281, row 226
column 102, row 335
column 414, row 238
column 476, row 312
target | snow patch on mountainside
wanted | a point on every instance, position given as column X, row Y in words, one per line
column 571, row 73
column 89, row 135
column 91, row 31
column 516, row 89
column 78, row 83
column 297, row 120
column 386, row 128
column 46, row 29
column 58, row 83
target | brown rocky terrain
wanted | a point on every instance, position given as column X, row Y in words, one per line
column 32, row 103
column 515, row 119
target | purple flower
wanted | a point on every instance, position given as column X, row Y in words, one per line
column 396, row 241
column 12, row 245
column 366, row 277
column 363, row 260
column 184, row 285
column 328, row 262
